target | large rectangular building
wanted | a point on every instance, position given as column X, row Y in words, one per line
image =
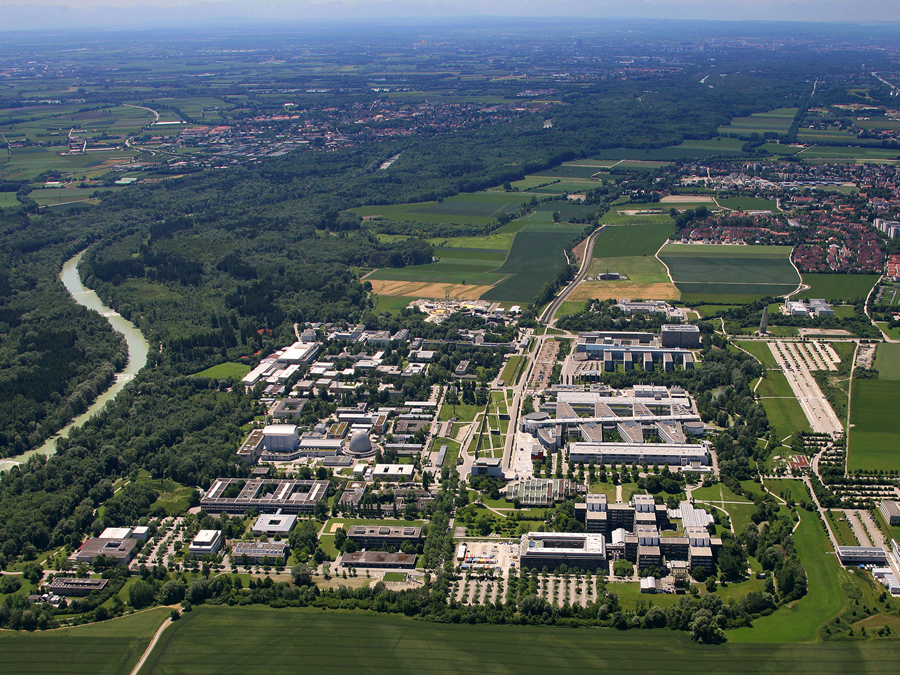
column 258, row 551
column 378, row 536
column 630, row 453
column 377, row 560
column 551, row 549
column 121, row 550
column 236, row 495
column 891, row 512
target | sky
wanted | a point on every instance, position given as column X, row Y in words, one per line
column 100, row 14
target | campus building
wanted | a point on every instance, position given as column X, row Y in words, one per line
column 258, row 551
column 268, row 496
column 551, row 549
column 380, row 536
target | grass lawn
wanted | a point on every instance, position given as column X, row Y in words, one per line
column 841, row 529
column 393, row 304
column 718, row 493
column 508, row 375
column 108, row 647
column 239, row 639
column 232, row 371
column 463, row 413
column 570, row 307
column 395, row 576
column 760, row 350
column 874, row 443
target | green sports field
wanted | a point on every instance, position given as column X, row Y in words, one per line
column 226, row 371
column 717, row 270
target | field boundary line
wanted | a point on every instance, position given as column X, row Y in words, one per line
column 159, row 631
column 668, row 271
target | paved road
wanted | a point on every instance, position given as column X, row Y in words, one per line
column 553, row 307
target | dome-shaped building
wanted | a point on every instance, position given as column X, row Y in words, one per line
column 360, row 445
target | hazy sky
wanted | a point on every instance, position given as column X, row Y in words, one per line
column 16, row 14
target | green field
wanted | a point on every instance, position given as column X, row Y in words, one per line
column 223, row 639
column 874, row 441
column 536, row 257
column 472, row 266
column 887, row 361
column 783, row 410
column 688, row 149
column 861, row 154
column 392, row 304
column 640, row 239
column 715, row 270
column 112, row 647
column 778, row 121
column 234, row 371
column 843, row 287
column 749, row 204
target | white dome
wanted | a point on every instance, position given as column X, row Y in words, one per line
column 360, row 443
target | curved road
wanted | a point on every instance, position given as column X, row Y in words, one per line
column 553, row 307
column 159, row 631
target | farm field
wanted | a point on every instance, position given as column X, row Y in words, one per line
column 855, row 153
column 844, row 287
column 783, row 410
column 212, row 638
column 109, row 647
column 708, row 271
column 688, row 149
column 873, row 444
column 479, row 208
column 629, row 250
column 535, row 258
column 887, row 361
column 778, row 121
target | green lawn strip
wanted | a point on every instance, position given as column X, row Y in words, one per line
column 240, row 639
column 395, row 576
column 719, row 493
column 760, row 350
column 841, row 529
column 461, row 412
column 800, row 621
column 509, row 370
column 112, row 646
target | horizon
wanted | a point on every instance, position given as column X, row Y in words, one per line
column 130, row 15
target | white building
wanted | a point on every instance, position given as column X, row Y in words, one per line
column 206, row 541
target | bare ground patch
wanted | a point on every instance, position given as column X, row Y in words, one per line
column 420, row 289
column 579, row 251
column 613, row 290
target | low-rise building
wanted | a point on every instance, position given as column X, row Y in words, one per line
column 206, row 542
column 393, row 472
column 891, row 511
column 552, row 549
column 121, row 550
column 487, row 466
column 379, row 536
column 377, row 560
column 258, row 552
column 73, row 587
column 274, row 523
column 236, row 495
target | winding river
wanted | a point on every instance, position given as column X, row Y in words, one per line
column 137, row 356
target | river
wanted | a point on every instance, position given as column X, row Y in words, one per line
column 138, row 348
